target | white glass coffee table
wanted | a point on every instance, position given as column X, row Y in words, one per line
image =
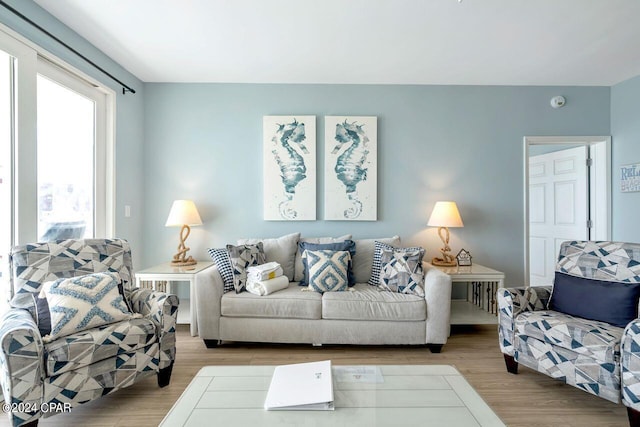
column 366, row 395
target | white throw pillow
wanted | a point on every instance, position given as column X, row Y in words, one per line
column 80, row 303
column 327, row 270
column 299, row 268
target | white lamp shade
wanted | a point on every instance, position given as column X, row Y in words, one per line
column 445, row 214
column 183, row 212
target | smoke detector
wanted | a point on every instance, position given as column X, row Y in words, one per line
column 558, row 101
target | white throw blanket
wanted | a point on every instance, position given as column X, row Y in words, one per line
column 266, row 287
column 267, row 271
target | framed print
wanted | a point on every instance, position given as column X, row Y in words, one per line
column 350, row 168
column 289, row 161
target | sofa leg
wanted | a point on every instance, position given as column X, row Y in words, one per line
column 164, row 375
column 435, row 348
column 211, row 343
column 634, row 417
column 512, row 365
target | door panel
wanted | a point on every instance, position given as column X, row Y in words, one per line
column 558, row 207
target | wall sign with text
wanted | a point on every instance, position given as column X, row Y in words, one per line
column 630, row 178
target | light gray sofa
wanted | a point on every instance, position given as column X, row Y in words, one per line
column 363, row 316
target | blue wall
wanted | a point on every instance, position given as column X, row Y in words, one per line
column 464, row 143
column 129, row 110
column 625, row 131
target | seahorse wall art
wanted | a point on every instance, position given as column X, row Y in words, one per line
column 289, row 167
column 350, row 169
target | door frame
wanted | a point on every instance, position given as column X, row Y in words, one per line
column 599, row 184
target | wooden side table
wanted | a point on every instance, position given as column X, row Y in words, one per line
column 480, row 306
column 166, row 273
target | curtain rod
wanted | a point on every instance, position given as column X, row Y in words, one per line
column 125, row 88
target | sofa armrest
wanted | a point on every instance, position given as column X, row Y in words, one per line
column 162, row 309
column 437, row 293
column 208, row 299
column 21, row 364
column 512, row 302
column 630, row 365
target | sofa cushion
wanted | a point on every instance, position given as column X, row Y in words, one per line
column 289, row 303
column 84, row 302
column 299, row 268
column 611, row 302
column 242, row 257
column 363, row 260
column 346, row 245
column 593, row 339
column 376, row 265
column 327, row 270
column 366, row 302
column 85, row 348
column 402, row 271
column 281, row 250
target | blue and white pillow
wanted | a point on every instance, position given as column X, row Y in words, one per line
column 377, row 260
column 243, row 257
column 80, row 303
column 402, row 271
column 221, row 259
column 327, row 270
column 346, row 245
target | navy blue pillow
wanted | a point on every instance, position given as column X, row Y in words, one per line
column 347, row 245
column 615, row 303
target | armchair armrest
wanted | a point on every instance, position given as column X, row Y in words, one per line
column 437, row 293
column 162, row 309
column 512, row 302
column 630, row 365
column 209, row 292
column 21, row 364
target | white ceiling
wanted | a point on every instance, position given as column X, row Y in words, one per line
column 476, row 42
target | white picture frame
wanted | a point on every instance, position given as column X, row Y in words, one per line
column 350, row 168
column 289, row 168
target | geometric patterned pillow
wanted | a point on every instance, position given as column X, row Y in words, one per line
column 327, row 270
column 402, row 271
column 80, row 303
column 221, row 259
column 377, row 260
column 243, row 257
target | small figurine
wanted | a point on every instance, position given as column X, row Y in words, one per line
column 464, row 258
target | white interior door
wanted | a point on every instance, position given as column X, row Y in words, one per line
column 558, row 208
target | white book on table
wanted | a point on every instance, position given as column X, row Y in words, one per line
column 301, row 386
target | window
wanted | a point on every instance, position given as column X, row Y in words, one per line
column 56, row 154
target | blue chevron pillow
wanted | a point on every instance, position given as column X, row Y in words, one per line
column 327, row 270
column 80, row 303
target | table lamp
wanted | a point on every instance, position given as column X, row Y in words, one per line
column 443, row 216
column 183, row 213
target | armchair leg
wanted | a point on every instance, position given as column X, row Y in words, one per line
column 634, row 417
column 512, row 365
column 34, row 423
column 164, row 376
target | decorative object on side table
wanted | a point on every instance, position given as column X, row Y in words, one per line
column 443, row 216
column 464, row 258
column 183, row 213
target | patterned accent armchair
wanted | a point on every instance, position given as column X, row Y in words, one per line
column 81, row 367
column 594, row 356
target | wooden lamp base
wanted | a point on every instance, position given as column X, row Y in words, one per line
column 442, row 263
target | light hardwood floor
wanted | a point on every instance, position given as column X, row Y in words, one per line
column 526, row 399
